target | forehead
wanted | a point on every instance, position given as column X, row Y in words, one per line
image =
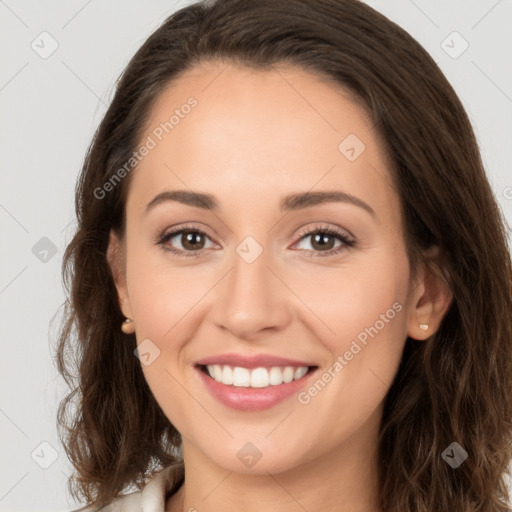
column 250, row 134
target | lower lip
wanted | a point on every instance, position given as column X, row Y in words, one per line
column 252, row 399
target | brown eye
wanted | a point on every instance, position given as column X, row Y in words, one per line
column 186, row 242
column 192, row 240
column 323, row 241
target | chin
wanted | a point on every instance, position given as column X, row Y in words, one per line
column 254, row 459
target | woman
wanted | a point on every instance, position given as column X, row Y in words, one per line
column 290, row 286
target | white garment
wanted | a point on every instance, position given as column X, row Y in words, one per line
column 151, row 498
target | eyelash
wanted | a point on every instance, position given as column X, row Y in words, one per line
column 347, row 242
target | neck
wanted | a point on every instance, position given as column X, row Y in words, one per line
column 342, row 479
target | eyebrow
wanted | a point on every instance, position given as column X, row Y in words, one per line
column 292, row 202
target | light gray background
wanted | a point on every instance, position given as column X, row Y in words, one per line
column 50, row 109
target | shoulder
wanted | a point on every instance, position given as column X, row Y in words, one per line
column 128, row 503
column 151, row 498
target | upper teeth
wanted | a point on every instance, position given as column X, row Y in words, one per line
column 256, row 378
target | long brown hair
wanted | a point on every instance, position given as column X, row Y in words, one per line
column 454, row 387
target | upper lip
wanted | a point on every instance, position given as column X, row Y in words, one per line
column 254, row 361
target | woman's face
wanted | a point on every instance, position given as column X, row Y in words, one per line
column 321, row 280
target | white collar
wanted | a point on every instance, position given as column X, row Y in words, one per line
column 154, row 492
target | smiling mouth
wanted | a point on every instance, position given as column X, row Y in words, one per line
column 261, row 377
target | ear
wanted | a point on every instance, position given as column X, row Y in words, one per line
column 430, row 299
column 116, row 259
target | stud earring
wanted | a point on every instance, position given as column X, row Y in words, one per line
column 128, row 326
column 424, row 327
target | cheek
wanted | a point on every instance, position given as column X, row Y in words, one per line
column 364, row 326
column 368, row 291
column 162, row 301
column 369, row 335
column 161, row 293
column 366, row 353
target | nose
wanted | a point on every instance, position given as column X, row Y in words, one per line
column 252, row 298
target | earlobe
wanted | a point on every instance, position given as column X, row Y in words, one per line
column 431, row 299
column 115, row 260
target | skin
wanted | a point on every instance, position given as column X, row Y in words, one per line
column 254, row 137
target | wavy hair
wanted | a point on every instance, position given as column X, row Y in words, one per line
column 454, row 387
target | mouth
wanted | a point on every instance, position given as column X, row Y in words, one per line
column 253, row 382
column 260, row 377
